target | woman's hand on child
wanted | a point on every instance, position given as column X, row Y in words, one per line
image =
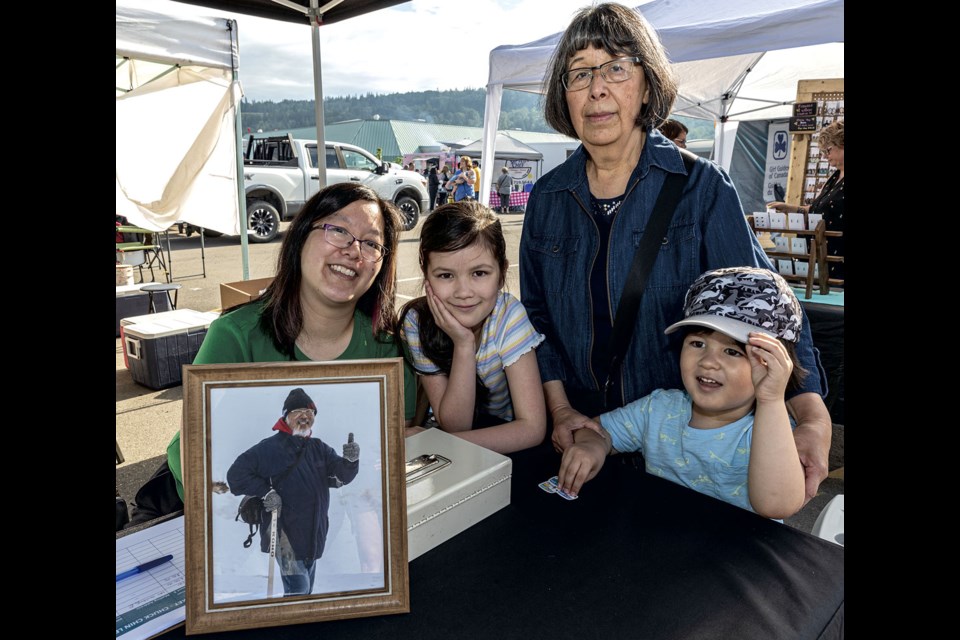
column 459, row 334
column 771, row 367
column 566, row 420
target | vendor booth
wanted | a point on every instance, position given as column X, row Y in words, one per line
column 523, row 163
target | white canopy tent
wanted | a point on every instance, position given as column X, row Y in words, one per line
column 176, row 138
column 734, row 61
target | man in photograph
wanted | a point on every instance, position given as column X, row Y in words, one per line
column 293, row 473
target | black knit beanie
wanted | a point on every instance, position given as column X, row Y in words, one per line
column 298, row 399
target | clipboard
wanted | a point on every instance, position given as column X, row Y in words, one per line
column 152, row 602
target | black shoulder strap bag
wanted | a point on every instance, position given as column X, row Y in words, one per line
column 643, row 259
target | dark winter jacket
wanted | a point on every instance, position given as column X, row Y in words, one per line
column 304, row 491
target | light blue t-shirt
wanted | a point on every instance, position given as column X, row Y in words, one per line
column 711, row 461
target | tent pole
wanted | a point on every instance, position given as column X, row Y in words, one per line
column 241, row 191
column 318, row 92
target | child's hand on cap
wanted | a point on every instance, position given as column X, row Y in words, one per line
column 771, row 366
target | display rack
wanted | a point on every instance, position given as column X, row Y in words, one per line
column 815, row 257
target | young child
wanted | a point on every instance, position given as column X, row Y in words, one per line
column 729, row 434
column 472, row 344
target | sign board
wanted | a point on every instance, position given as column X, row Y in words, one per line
column 777, row 167
column 803, row 124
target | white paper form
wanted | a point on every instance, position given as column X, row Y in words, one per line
column 155, row 600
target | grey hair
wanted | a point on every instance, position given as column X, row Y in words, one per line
column 618, row 30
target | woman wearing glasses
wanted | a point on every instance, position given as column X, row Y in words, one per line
column 829, row 202
column 332, row 299
column 609, row 84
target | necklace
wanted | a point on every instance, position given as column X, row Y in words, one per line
column 607, row 208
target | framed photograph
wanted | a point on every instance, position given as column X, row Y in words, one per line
column 295, row 506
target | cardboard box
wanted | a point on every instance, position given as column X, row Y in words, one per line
column 237, row 293
column 156, row 346
column 454, row 495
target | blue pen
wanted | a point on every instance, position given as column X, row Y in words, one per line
column 146, row 566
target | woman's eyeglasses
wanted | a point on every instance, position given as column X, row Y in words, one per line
column 618, row 70
column 341, row 238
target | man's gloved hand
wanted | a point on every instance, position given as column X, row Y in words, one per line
column 351, row 450
column 272, row 501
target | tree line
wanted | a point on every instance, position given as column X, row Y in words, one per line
column 464, row 107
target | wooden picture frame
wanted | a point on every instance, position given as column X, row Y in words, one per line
column 233, row 431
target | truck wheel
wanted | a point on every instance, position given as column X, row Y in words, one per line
column 410, row 211
column 263, row 221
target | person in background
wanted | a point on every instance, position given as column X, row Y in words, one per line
column 470, row 342
column 676, row 131
column 433, row 186
column 504, row 187
column 442, row 192
column 461, row 185
column 728, row 433
column 609, row 84
column 476, row 181
column 829, row 202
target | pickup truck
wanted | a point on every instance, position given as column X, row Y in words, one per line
column 280, row 174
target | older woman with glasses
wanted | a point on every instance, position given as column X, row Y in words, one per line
column 609, row 85
column 333, row 297
column 829, row 202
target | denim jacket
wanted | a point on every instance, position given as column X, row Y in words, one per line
column 559, row 245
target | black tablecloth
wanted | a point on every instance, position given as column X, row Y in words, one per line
column 634, row 557
column 826, row 327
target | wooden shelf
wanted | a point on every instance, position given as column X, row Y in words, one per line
column 799, row 232
column 799, row 256
column 817, row 258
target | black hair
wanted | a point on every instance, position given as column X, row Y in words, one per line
column 452, row 227
column 282, row 316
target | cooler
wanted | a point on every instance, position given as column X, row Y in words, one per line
column 155, row 346
column 452, row 484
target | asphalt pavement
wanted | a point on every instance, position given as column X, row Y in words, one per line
column 148, row 419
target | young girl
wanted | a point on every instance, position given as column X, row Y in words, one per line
column 471, row 343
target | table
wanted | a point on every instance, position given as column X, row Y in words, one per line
column 518, row 199
column 826, row 325
column 634, row 557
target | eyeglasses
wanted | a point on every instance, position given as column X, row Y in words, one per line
column 618, row 70
column 341, row 238
column 297, row 413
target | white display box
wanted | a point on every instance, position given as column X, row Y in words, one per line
column 795, row 221
column 448, row 500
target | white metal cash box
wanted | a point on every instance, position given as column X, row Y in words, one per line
column 452, row 484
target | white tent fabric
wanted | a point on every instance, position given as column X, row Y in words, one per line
column 507, row 148
column 719, row 52
column 176, row 139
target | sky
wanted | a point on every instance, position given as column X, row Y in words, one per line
column 420, row 45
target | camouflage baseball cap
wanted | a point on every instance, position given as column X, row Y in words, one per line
column 738, row 300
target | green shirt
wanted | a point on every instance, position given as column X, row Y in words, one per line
column 238, row 337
